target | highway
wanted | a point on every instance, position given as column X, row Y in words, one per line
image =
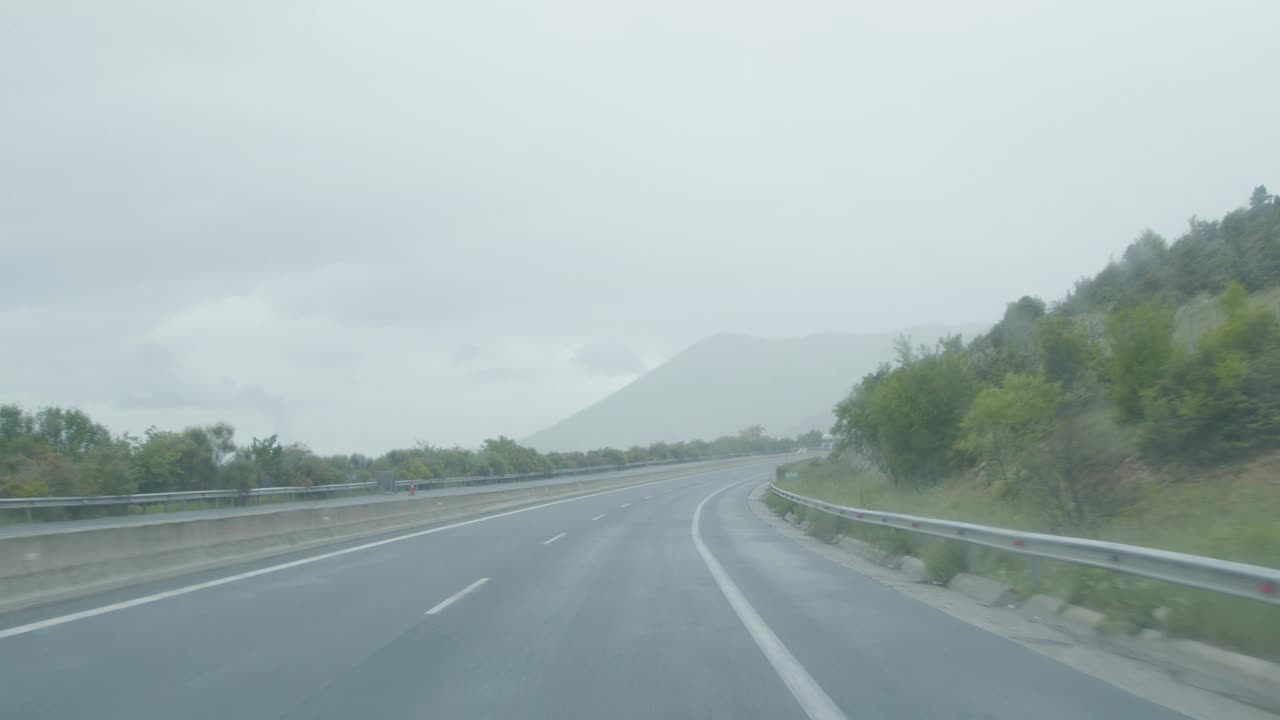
column 665, row 600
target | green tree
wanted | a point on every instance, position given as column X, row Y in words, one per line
column 1077, row 483
column 856, row 427
column 505, row 456
column 1141, row 341
column 1146, row 264
column 1260, row 197
column 1064, row 349
column 1005, row 423
column 1015, row 333
column 302, row 468
column 155, row 461
column 1223, row 401
column 917, row 411
column 107, row 470
column 811, row 439
column 69, row 432
column 267, row 456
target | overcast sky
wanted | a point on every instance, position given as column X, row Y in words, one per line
column 363, row 224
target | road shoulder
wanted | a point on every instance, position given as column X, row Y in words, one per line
column 1138, row 678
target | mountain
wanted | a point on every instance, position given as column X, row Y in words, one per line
column 725, row 383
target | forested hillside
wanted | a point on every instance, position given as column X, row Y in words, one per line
column 63, row 452
column 1061, row 406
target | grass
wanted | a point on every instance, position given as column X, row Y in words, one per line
column 1228, row 513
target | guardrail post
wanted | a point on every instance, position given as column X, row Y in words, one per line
column 971, row 556
column 29, row 518
column 1033, row 567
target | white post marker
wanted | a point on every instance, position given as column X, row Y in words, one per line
column 456, row 597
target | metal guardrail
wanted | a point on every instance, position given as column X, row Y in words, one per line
column 493, row 479
column 168, row 497
column 1222, row 576
column 490, row 479
column 29, row 504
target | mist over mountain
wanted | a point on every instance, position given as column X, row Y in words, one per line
column 726, row 382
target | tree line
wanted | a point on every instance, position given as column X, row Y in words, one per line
column 1060, row 406
column 63, row 452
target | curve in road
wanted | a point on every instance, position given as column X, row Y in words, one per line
column 540, row 613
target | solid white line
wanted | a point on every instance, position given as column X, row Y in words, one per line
column 625, row 505
column 548, row 542
column 598, row 516
column 103, row 610
column 456, row 597
column 812, row 698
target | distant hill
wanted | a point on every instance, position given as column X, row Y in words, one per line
column 724, row 383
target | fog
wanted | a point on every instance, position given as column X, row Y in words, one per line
column 365, row 224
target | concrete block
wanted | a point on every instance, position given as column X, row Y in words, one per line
column 864, row 550
column 1150, row 636
column 983, row 590
column 1240, row 677
column 1231, row 662
column 1080, row 621
column 1042, row 608
column 914, row 568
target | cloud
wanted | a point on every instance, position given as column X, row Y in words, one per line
column 609, row 359
column 467, row 353
column 497, row 375
column 364, row 225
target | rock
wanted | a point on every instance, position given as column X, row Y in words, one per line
column 866, row 551
column 1043, row 608
column 1248, row 679
column 914, row 569
column 1081, row 621
column 1251, row 667
column 1148, row 635
column 982, row 590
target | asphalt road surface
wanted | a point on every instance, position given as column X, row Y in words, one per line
column 665, row 600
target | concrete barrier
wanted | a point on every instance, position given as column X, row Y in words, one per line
column 39, row 569
column 983, row 590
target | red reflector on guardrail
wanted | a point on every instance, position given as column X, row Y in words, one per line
column 1267, row 588
column 915, row 524
column 858, row 516
column 1019, row 543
